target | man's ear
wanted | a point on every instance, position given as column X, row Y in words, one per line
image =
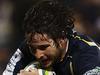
column 62, row 42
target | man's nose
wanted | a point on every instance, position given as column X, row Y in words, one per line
column 39, row 54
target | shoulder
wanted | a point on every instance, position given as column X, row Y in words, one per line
column 18, row 60
column 84, row 41
column 86, row 54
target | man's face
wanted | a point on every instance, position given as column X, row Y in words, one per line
column 44, row 49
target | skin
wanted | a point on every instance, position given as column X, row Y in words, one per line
column 30, row 72
column 46, row 51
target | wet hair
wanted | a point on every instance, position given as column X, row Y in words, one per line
column 50, row 17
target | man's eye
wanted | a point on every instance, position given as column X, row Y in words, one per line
column 32, row 49
column 43, row 47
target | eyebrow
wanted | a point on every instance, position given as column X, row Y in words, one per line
column 41, row 45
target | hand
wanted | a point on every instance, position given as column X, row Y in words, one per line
column 30, row 72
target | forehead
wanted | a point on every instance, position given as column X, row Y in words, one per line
column 39, row 39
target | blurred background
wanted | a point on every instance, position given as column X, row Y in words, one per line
column 11, row 33
column 86, row 14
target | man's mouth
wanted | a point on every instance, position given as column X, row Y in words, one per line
column 45, row 62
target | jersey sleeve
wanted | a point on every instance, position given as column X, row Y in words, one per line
column 13, row 62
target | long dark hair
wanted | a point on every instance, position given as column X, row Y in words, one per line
column 51, row 17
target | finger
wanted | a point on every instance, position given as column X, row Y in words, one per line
column 33, row 70
column 21, row 71
column 18, row 74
